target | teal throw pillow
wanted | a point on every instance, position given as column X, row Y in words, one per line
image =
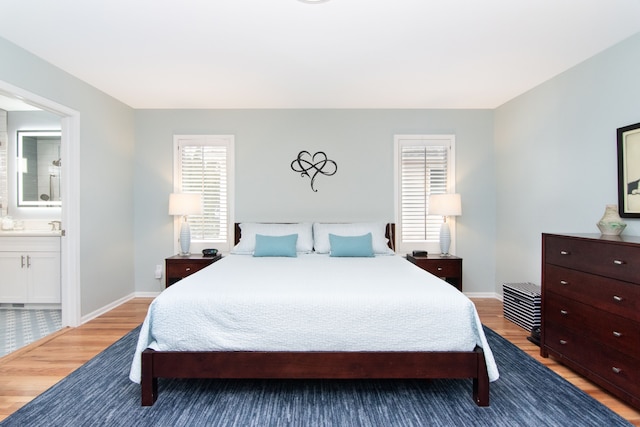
column 351, row 246
column 281, row 246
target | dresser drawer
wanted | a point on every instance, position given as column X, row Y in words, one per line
column 614, row 367
column 178, row 267
column 608, row 329
column 448, row 267
column 601, row 257
column 621, row 298
column 441, row 268
column 183, row 269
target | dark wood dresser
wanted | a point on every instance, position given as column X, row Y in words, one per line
column 591, row 308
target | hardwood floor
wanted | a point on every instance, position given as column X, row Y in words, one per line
column 33, row 369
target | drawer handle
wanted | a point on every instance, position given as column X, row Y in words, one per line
column 565, row 253
column 617, row 334
column 564, row 282
column 563, row 342
column 564, row 312
column 188, row 269
column 618, row 262
column 439, row 268
column 616, row 298
column 616, row 370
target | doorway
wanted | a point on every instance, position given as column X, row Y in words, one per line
column 70, row 187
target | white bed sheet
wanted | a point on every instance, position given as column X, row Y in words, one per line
column 312, row 303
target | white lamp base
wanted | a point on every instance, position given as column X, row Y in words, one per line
column 445, row 238
column 185, row 238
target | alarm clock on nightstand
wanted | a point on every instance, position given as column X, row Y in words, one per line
column 209, row 252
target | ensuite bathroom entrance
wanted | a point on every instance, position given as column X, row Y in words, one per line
column 31, row 202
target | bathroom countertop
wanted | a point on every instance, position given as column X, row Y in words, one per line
column 30, row 233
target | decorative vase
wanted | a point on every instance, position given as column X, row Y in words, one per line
column 611, row 224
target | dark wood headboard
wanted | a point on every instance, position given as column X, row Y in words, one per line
column 390, row 233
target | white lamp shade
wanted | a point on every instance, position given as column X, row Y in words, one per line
column 185, row 204
column 445, row 204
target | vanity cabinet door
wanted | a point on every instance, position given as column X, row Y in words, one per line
column 13, row 285
column 43, row 277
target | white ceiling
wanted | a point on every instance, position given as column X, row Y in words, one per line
column 335, row 54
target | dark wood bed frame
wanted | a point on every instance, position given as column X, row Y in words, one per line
column 314, row 365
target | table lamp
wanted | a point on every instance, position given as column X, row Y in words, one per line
column 184, row 204
column 445, row 205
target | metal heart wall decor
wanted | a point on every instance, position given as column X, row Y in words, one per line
column 312, row 165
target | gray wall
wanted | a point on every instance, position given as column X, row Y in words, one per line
column 106, row 157
column 556, row 156
column 360, row 141
column 549, row 167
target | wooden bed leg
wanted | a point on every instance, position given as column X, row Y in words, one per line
column 148, row 383
column 481, row 382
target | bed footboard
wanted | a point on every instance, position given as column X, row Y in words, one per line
column 314, row 365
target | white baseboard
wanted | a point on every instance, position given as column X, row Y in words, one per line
column 483, row 295
column 146, row 294
column 84, row 319
column 30, row 306
column 109, row 307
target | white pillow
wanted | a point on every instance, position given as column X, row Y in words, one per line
column 247, row 243
column 321, row 233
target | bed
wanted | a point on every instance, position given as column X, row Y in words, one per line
column 312, row 314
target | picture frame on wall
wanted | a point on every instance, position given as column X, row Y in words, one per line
column 629, row 171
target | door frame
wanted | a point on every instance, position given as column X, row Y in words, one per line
column 70, row 187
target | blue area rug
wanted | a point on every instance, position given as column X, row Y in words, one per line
column 527, row 394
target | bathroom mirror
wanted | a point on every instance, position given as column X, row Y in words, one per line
column 39, row 167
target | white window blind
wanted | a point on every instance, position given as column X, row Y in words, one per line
column 203, row 166
column 424, row 166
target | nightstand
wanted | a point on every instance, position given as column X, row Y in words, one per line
column 178, row 267
column 447, row 267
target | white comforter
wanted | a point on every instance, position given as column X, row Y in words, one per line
column 312, row 303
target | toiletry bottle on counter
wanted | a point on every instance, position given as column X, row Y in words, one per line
column 7, row 223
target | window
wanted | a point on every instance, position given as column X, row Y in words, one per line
column 204, row 164
column 424, row 165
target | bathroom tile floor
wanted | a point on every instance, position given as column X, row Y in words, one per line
column 20, row 327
